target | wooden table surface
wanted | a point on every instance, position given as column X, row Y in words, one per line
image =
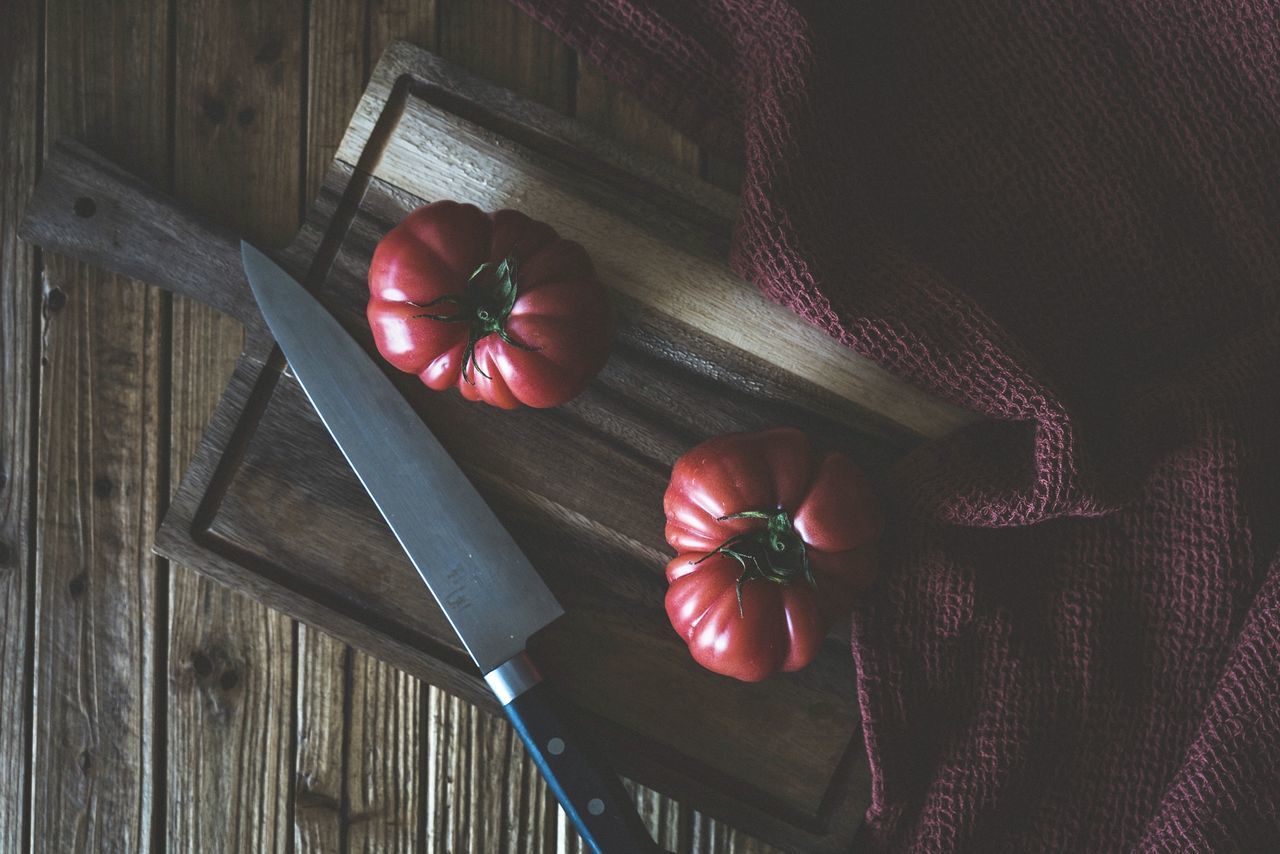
column 145, row 707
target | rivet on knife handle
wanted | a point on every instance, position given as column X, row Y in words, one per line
column 591, row 794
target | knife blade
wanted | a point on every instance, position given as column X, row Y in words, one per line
column 489, row 591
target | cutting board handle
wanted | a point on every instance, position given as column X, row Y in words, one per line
column 89, row 208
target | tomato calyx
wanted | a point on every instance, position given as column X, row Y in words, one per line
column 774, row 552
column 485, row 306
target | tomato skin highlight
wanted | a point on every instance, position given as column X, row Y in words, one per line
column 446, row 260
column 821, row 508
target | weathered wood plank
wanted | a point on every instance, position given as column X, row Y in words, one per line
column 336, row 71
column 318, row 808
column 496, row 800
column 413, row 21
column 337, row 67
column 359, row 751
column 386, row 755
column 708, row 836
column 497, row 41
column 99, row 464
column 19, row 320
column 384, row 759
column 238, row 156
column 359, row 783
column 483, row 792
column 603, row 106
column 230, row 686
column 666, row 819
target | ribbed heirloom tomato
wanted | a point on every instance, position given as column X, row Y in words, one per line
column 772, row 545
column 496, row 304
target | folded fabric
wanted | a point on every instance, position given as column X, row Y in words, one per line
column 1065, row 216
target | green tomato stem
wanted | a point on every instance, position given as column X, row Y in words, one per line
column 774, row 552
column 484, row 306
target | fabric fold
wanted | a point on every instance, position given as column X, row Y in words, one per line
column 1066, row 217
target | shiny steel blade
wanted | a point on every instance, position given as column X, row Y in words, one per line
column 487, row 588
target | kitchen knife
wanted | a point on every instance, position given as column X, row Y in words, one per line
column 493, row 597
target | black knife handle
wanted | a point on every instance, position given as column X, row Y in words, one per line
column 591, row 794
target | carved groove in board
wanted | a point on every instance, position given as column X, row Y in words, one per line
column 288, row 581
column 317, row 270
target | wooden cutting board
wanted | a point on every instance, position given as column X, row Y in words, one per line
column 270, row 507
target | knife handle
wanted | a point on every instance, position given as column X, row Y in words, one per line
column 591, row 794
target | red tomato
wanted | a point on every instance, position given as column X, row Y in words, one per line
column 498, row 305
column 772, row 546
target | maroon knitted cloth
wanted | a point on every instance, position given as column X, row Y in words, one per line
column 1065, row 216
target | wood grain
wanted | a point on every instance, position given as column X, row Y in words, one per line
column 336, row 71
column 666, row 819
column 641, row 251
column 708, row 836
column 384, row 759
column 229, row 721
column 603, row 106
column 359, row 764
column 496, row 41
column 414, row 21
column 359, row 740
column 318, row 792
column 485, row 793
column 337, row 67
column 76, row 178
column 389, row 708
column 507, row 804
column 19, row 323
column 575, row 486
column 338, row 64
column 238, row 113
column 271, row 715
column 98, row 464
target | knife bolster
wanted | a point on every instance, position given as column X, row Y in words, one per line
column 512, row 678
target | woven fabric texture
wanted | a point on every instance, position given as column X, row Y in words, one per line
column 1066, row 217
